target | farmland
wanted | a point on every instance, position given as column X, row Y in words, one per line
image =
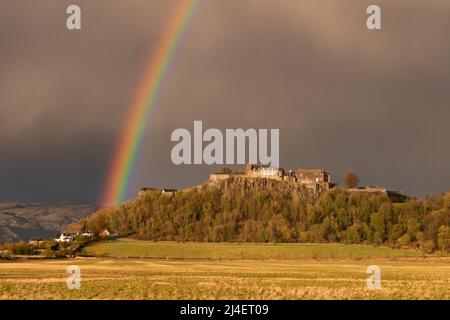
column 147, row 270
column 213, row 251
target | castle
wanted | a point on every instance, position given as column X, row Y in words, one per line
column 315, row 179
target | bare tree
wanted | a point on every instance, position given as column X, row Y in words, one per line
column 351, row 180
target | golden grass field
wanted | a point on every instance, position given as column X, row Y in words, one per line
column 183, row 271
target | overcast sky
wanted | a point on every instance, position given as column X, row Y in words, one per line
column 343, row 97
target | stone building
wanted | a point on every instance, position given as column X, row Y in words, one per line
column 317, row 179
column 261, row 171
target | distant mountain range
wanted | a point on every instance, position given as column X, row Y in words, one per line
column 21, row 221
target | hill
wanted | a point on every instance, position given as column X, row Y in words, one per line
column 242, row 209
column 21, row 221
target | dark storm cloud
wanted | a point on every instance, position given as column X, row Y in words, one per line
column 343, row 97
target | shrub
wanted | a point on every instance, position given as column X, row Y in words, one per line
column 404, row 240
column 420, row 237
column 377, row 238
column 20, row 248
column 304, row 236
column 428, row 246
column 353, row 234
column 396, row 232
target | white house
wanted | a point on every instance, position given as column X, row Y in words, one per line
column 87, row 234
column 66, row 237
column 107, row 234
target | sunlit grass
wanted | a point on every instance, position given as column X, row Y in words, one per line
column 283, row 251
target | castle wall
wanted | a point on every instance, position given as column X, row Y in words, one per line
column 259, row 171
column 167, row 192
column 313, row 176
column 223, row 176
column 373, row 190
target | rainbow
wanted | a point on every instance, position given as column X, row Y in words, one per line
column 118, row 176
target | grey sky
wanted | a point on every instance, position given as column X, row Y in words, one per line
column 342, row 96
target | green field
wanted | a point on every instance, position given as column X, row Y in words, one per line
column 232, row 251
column 229, row 271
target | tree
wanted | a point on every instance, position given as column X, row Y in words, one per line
column 351, row 180
column 404, row 240
column 353, row 234
column 378, row 224
column 447, row 200
column 413, row 226
column 443, row 237
column 396, row 232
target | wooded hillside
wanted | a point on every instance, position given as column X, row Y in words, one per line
column 262, row 210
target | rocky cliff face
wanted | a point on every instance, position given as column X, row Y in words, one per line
column 234, row 183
